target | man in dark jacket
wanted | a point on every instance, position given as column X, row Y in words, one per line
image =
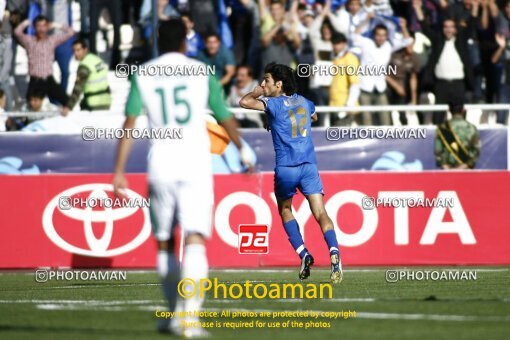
column 449, row 68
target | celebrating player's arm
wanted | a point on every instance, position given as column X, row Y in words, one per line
column 251, row 99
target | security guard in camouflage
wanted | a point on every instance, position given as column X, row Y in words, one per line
column 457, row 144
column 91, row 80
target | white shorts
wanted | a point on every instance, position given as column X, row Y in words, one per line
column 183, row 202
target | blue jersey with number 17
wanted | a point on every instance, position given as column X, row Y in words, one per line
column 289, row 119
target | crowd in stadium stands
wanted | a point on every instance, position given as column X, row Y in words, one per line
column 454, row 49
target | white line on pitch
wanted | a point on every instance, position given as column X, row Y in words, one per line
column 82, row 302
column 104, row 286
column 301, row 300
column 366, row 270
column 346, row 270
column 220, row 301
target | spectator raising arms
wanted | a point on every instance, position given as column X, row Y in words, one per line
column 278, row 30
column 502, row 55
column 350, row 17
column 41, row 55
column 449, row 66
column 403, row 85
column 377, row 52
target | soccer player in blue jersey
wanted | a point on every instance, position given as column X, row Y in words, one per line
column 289, row 117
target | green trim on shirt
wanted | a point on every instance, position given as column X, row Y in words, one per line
column 134, row 103
column 216, row 100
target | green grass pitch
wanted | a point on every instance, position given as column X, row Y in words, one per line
column 126, row 309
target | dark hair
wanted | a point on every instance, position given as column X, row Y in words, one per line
column 39, row 18
column 456, row 106
column 2, row 93
column 276, row 2
column 338, row 38
column 285, row 74
column 212, row 34
column 187, row 14
column 380, row 27
column 327, row 23
column 35, row 93
column 81, row 41
column 248, row 69
column 448, row 17
column 172, row 35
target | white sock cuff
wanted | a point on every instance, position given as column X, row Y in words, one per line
column 162, row 263
column 300, row 248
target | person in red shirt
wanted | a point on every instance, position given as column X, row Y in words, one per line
column 41, row 54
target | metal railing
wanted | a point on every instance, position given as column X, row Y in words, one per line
column 319, row 109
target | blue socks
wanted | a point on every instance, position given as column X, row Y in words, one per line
column 331, row 241
column 295, row 238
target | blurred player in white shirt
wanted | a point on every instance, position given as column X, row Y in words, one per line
column 179, row 170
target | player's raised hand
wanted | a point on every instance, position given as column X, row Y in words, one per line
column 119, row 185
column 258, row 91
column 250, row 101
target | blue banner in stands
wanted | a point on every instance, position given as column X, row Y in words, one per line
column 33, row 153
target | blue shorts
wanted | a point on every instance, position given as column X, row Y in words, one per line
column 305, row 177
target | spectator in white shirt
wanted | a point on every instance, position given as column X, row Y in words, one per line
column 244, row 83
column 347, row 18
column 449, row 68
column 376, row 54
column 379, row 7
